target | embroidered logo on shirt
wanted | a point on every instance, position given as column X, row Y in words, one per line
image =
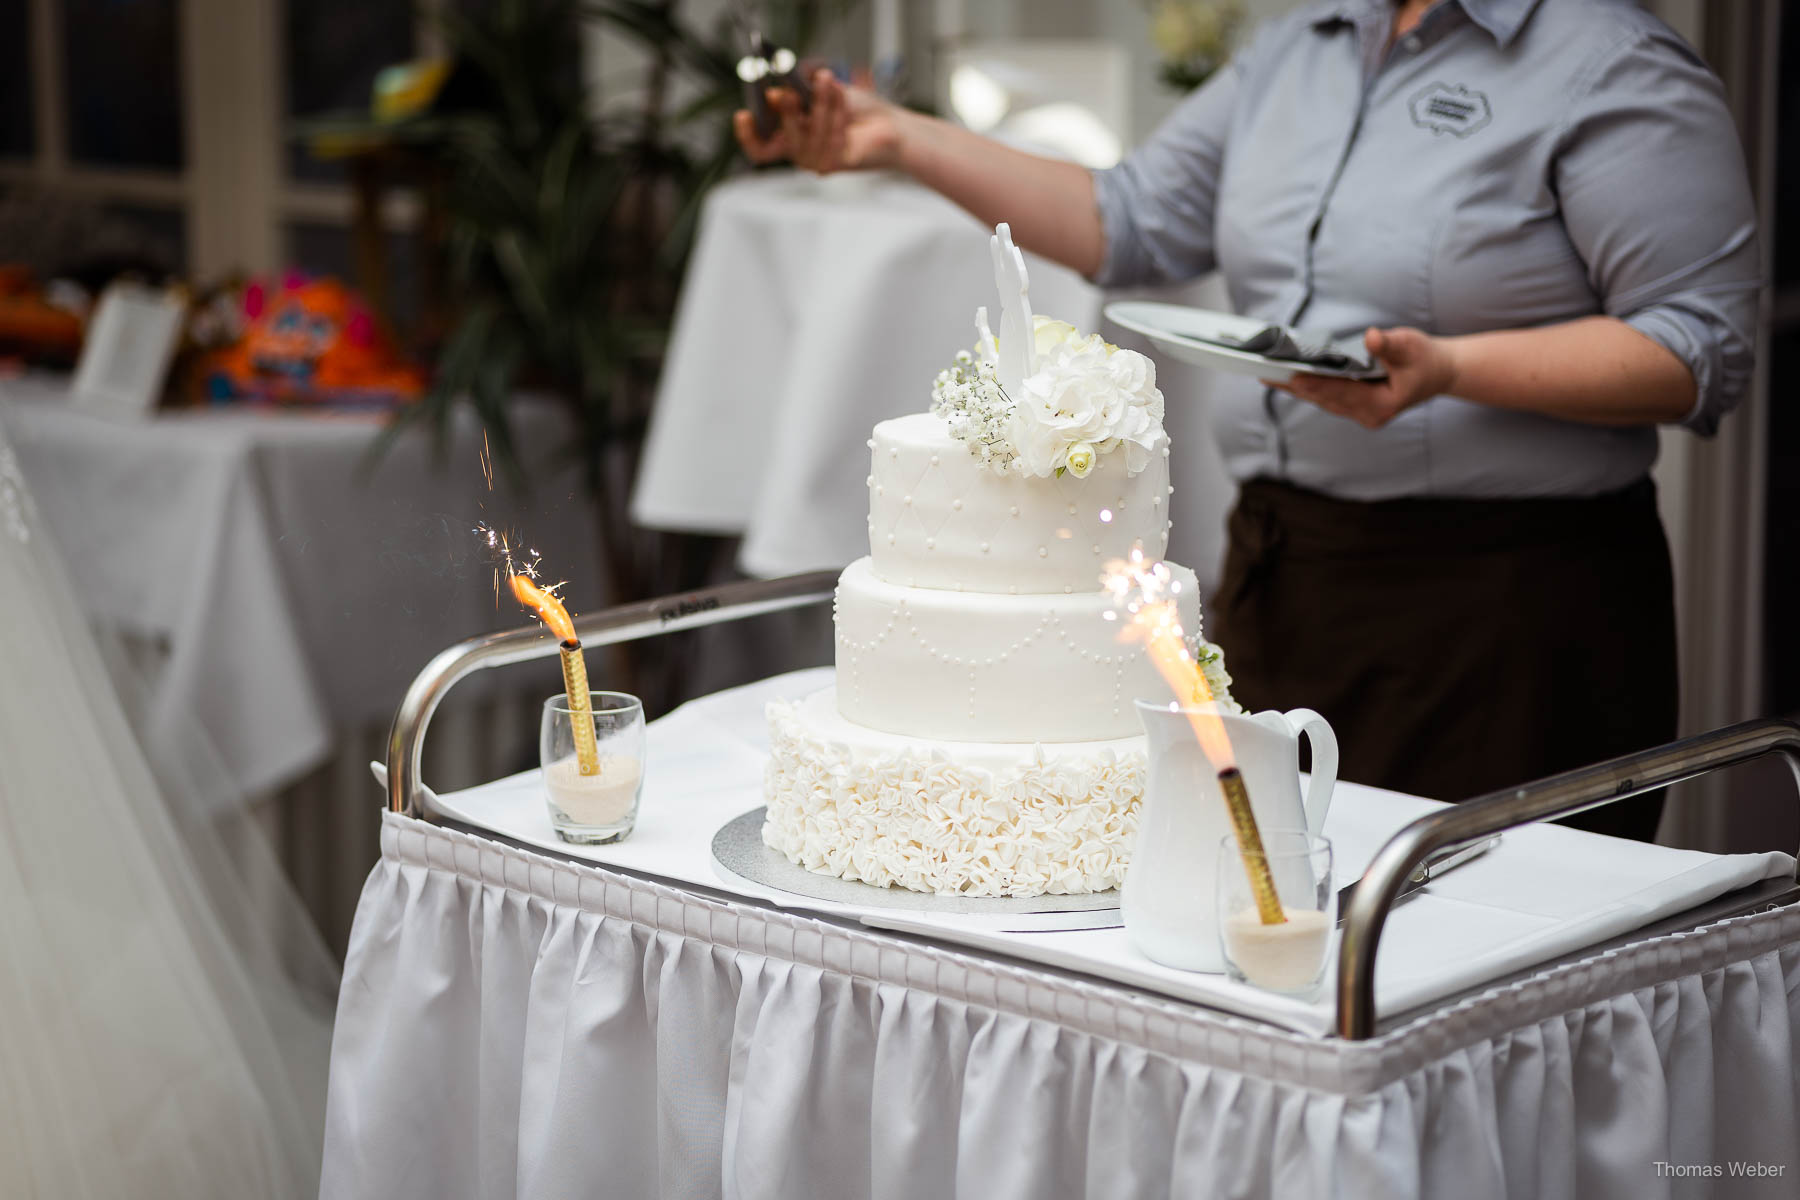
column 1444, row 108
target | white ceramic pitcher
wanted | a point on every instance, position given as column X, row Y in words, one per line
column 1169, row 897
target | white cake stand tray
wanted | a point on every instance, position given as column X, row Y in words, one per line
column 739, row 851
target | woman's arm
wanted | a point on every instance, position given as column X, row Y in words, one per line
column 1049, row 204
column 1597, row 370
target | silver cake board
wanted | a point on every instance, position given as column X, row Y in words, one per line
column 738, row 848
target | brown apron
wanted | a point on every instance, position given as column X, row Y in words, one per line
column 1458, row 646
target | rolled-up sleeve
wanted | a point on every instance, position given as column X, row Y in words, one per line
column 1156, row 207
column 1654, row 193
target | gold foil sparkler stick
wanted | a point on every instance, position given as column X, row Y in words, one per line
column 1144, row 593
column 550, row 610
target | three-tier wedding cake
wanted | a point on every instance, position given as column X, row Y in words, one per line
column 981, row 737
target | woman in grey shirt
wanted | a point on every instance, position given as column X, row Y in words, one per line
column 1539, row 212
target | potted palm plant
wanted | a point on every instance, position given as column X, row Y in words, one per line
column 567, row 233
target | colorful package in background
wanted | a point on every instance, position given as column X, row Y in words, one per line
column 311, row 341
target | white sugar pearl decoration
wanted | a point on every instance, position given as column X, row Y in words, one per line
column 984, row 547
column 906, row 499
column 1015, row 510
column 956, row 504
column 1071, row 510
column 1043, row 552
column 890, row 539
column 931, row 543
column 1096, row 548
column 869, row 482
column 934, row 460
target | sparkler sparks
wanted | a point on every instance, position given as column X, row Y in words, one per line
column 1144, row 595
column 511, row 556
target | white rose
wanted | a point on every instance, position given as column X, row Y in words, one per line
column 1047, row 333
column 1080, row 460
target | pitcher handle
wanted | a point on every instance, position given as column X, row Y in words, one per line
column 1324, row 763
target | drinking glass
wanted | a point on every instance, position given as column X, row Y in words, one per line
column 600, row 806
column 1288, row 956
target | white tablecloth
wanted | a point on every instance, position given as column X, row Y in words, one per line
column 513, row 1025
column 814, row 308
column 1543, row 892
column 295, row 598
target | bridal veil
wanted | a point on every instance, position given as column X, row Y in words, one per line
column 164, row 1003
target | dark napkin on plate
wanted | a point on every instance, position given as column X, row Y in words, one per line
column 1309, row 348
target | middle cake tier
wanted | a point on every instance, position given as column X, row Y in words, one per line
column 981, row 667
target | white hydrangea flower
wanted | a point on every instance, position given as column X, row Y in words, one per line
column 1085, row 392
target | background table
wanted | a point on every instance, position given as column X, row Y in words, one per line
column 511, row 1024
column 814, row 308
column 287, row 589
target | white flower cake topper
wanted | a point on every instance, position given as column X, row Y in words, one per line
column 1043, row 399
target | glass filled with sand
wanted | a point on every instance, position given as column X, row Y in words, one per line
column 1289, row 955
column 594, row 801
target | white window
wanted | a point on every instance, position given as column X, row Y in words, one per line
column 174, row 115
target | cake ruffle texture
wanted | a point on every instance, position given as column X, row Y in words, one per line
column 915, row 818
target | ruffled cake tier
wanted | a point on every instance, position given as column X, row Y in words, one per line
column 976, row 819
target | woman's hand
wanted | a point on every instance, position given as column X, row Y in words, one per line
column 1049, row 203
column 1419, row 366
column 849, row 128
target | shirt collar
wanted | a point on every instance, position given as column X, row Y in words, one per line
column 1501, row 18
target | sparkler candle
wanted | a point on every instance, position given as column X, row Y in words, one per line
column 1143, row 592
column 550, row 610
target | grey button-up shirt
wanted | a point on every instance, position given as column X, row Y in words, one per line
column 1509, row 163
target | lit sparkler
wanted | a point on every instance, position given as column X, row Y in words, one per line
column 1144, row 595
column 550, row 611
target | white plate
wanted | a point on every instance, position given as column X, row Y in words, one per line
column 1180, row 332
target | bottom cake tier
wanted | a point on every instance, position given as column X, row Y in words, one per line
column 976, row 819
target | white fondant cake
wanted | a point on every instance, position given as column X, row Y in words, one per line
column 939, row 519
column 982, row 738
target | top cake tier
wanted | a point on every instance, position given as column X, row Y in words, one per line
column 939, row 519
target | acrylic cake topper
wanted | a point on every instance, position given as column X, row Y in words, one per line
column 1015, row 361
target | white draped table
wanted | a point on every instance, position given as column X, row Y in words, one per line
column 516, row 1024
column 279, row 589
column 814, row 308
column 293, row 585
column 513, row 1025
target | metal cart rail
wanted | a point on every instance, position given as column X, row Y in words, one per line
column 1462, row 824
